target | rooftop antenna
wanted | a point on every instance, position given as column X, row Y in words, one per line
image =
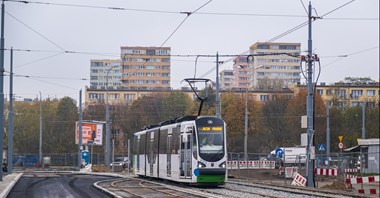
column 192, row 82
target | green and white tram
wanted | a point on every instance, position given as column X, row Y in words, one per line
column 190, row 149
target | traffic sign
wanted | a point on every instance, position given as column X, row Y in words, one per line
column 340, row 145
column 340, row 138
column 321, row 147
column 279, row 152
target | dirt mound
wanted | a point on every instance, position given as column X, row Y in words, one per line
column 99, row 168
column 336, row 185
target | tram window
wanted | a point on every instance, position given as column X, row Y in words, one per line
column 175, row 140
column 163, row 141
column 195, row 148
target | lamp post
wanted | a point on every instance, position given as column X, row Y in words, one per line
column 245, row 118
column 107, row 157
column 246, row 111
column 40, row 145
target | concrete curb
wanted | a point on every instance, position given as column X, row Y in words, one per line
column 10, row 186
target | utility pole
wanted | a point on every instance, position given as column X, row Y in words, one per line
column 328, row 134
column 309, row 108
column 2, row 85
column 217, row 105
column 10, row 118
column 80, row 131
column 363, row 137
column 40, row 145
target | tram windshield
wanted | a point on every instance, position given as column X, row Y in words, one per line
column 211, row 142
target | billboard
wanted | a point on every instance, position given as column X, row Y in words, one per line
column 87, row 129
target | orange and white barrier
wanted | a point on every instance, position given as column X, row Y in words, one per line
column 326, row 171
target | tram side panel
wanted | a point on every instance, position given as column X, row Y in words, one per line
column 140, row 153
column 174, row 155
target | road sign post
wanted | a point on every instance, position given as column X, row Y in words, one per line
column 279, row 152
column 340, row 145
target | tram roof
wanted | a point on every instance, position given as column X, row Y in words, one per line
column 171, row 121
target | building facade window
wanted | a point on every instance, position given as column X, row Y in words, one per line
column 356, row 93
column 264, row 97
column 370, row 92
column 320, row 91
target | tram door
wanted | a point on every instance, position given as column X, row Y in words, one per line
column 150, row 154
column 185, row 166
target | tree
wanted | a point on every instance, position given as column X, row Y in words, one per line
column 270, row 84
column 177, row 104
column 208, row 107
column 26, row 127
column 62, row 138
column 277, row 132
column 233, row 115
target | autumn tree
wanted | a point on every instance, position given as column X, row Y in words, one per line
column 233, row 115
column 62, row 138
column 275, row 119
column 26, row 127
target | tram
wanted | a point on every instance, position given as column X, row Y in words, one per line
column 190, row 149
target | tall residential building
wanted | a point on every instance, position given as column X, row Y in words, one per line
column 240, row 69
column 145, row 68
column 101, row 69
column 275, row 65
column 226, row 79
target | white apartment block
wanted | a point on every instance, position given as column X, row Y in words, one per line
column 101, row 70
column 274, row 64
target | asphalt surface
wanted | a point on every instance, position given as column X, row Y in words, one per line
column 47, row 185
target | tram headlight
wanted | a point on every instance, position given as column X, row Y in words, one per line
column 201, row 165
column 222, row 165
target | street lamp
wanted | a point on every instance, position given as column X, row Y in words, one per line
column 246, row 111
column 40, row 144
column 107, row 157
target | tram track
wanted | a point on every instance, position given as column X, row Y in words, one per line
column 142, row 187
column 137, row 187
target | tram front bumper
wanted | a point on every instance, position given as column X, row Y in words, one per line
column 210, row 175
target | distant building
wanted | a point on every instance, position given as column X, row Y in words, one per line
column 226, row 79
column 240, row 69
column 98, row 74
column 145, row 68
column 274, row 65
column 347, row 94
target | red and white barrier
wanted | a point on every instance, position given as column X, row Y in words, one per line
column 291, row 172
column 255, row 164
column 326, row 171
column 347, row 172
column 367, row 191
column 299, row 180
column 362, row 180
column 351, row 170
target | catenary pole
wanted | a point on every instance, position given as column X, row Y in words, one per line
column 310, row 95
column 2, row 85
column 328, row 134
column 10, row 118
column 108, row 133
column 80, row 131
column 217, row 105
column 40, row 143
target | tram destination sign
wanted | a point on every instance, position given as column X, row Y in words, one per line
column 216, row 128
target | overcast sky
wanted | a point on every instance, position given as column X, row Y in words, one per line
column 91, row 30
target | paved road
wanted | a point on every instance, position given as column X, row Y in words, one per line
column 47, row 185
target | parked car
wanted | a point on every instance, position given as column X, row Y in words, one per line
column 120, row 162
